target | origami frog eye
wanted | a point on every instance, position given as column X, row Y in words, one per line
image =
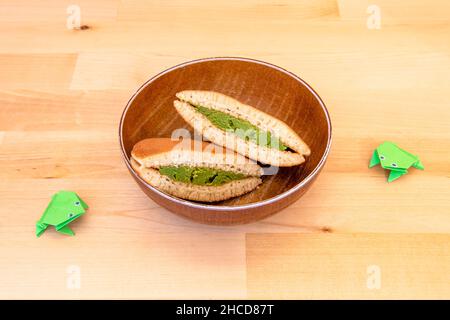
column 382, row 157
column 77, row 203
column 394, row 164
column 71, row 215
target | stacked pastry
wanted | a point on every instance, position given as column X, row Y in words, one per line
column 241, row 136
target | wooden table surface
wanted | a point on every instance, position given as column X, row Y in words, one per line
column 352, row 235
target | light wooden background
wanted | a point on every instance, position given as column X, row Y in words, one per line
column 61, row 96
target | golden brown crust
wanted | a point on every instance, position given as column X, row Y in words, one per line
column 157, row 152
column 249, row 149
column 224, row 103
column 153, row 146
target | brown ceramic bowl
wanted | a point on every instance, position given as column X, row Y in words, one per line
column 150, row 113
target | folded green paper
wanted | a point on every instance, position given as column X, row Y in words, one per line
column 394, row 159
column 65, row 207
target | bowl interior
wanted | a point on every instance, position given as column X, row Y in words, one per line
column 150, row 113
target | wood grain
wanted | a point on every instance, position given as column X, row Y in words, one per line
column 348, row 266
column 62, row 93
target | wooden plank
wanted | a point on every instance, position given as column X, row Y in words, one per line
column 119, row 70
column 39, row 72
column 234, row 10
column 396, row 12
column 121, row 263
column 62, row 111
column 348, row 266
column 289, row 27
column 54, row 12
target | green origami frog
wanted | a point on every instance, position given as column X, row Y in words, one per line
column 395, row 159
column 64, row 207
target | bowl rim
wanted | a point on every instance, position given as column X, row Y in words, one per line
column 197, row 205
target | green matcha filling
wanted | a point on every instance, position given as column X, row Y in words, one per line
column 200, row 175
column 241, row 128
